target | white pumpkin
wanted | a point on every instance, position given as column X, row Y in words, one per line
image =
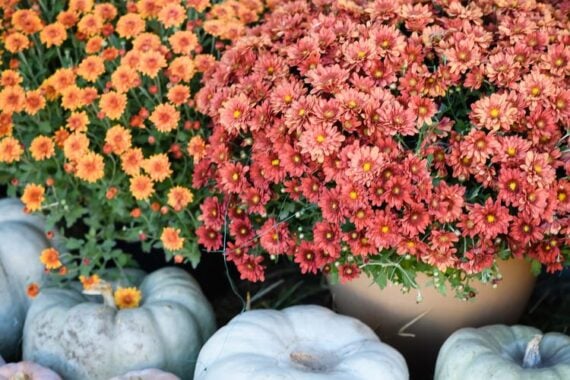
column 22, row 239
column 86, row 340
column 25, row 371
column 298, row 343
column 505, row 353
column 147, row 374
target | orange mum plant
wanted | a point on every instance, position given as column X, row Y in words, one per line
column 97, row 124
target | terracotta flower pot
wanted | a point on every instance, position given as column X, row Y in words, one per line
column 387, row 311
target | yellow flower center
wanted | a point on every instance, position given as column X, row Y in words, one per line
column 385, row 229
column 288, row 98
column 494, row 112
column 275, row 162
column 511, row 151
column 353, row 195
column 361, row 54
column 352, row 104
column 537, row 168
column 422, row 110
column 301, row 112
column 535, row 91
column 235, row 177
column 320, row 139
column 366, row 166
column 512, row 185
column 491, row 218
column 237, row 114
column 379, row 74
column 559, row 62
column 562, row 197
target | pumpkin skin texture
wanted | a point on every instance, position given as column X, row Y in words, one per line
column 497, row 352
column 147, row 374
column 27, row 371
column 86, row 340
column 22, row 239
column 300, row 342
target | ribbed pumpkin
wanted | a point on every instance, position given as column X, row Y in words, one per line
column 22, row 239
column 25, row 371
column 505, row 353
column 147, row 374
column 298, row 343
column 87, row 340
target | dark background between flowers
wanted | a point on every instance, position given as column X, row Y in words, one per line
column 548, row 308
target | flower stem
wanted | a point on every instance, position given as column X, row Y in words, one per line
column 532, row 357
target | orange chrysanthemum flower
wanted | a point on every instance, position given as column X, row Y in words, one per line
column 113, row 104
column 90, row 25
column 203, row 62
column 157, row 167
column 67, row 18
column 118, row 138
column 147, row 42
column 33, row 196
column 10, row 150
column 90, row 167
column 72, row 97
column 94, row 45
column 124, row 78
column 141, row 187
column 130, row 25
column 80, row 6
column 53, row 34
column 77, row 121
column 199, row 5
column 89, row 281
column 42, row 148
column 6, row 124
column 197, row 148
column 131, row 161
column 183, row 42
column 10, row 78
column 149, row 8
column 127, row 298
column 34, row 102
column 178, row 94
column 172, row 14
column 182, row 68
column 75, row 146
column 16, row 42
column 50, row 258
column 165, row 117
column 171, row 239
column 12, row 99
column 106, row 11
column 151, row 62
column 91, row 68
column 62, row 79
column 179, row 197
column 27, row 21
column 32, row 290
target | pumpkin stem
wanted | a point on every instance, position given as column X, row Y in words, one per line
column 306, row 360
column 532, row 353
column 20, row 376
column 103, row 289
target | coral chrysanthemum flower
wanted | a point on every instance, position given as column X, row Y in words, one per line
column 91, row 68
column 50, row 258
column 157, row 167
column 491, row 219
column 172, row 14
column 127, row 298
column 33, row 196
column 32, row 290
column 494, row 112
column 89, row 281
column 165, row 117
column 197, row 148
column 10, row 150
column 179, row 197
column 171, row 239
column 119, row 139
column 42, row 148
column 141, row 187
column 130, row 25
column 53, row 34
column 320, row 141
column 113, row 104
column 131, row 161
column 90, row 167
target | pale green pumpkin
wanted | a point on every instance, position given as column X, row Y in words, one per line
column 81, row 339
column 298, row 343
column 22, row 239
column 504, row 353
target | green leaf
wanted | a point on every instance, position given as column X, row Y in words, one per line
column 535, row 267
